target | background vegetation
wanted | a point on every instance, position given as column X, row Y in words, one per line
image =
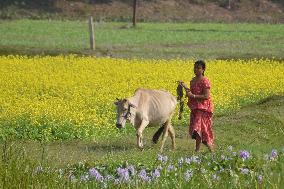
column 256, row 11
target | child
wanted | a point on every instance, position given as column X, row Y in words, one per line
column 201, row 106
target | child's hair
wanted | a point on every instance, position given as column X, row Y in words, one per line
column 200, row 63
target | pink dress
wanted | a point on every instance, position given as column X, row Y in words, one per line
column 201, row 112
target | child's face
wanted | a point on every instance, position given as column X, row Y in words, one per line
column 198, row 70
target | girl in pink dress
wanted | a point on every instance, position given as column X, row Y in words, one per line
column 201, row 106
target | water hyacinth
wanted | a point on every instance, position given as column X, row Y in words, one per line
column 94, row 173
column 188, row 174
column 244, row 154
column 180, row 161
column 185, row 171
column 72, row 178
column 192, row 159
column 162, row 159
column 143, row 176
column 171, row 167
column 39, row 169
column 156, row 173
column 109, row 178
column 123, row 174
column 273, row 154
column 230, row 148
column 244, row 171
column 260, row 178
column 131, row 170
column 215, row 177
column 84, row 178
column 188, row 160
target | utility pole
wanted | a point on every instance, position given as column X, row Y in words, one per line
column 134, row 12
column 229, row 4
column 92, row 35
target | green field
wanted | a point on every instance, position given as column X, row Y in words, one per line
column 148, row 40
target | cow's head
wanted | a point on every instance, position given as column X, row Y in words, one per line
column 123, row 112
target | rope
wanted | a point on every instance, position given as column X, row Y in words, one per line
column 179, row 91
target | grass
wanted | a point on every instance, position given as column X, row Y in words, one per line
column 264, row 119
column 148, row 40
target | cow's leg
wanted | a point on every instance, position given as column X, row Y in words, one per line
column 139, row 131
column 172, row 135
column 165, row 135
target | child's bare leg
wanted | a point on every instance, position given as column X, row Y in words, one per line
column 210, row 147
column 198, row 143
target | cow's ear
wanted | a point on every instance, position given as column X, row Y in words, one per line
column 116, row 102
column 132, row 105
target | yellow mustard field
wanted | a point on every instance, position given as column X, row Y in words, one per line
column 72, row 97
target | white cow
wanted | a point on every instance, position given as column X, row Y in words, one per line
column 148, row 107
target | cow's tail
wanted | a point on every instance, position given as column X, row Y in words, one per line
column 157, row 134
column 180, row 99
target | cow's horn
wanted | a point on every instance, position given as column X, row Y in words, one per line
column 132, row 105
